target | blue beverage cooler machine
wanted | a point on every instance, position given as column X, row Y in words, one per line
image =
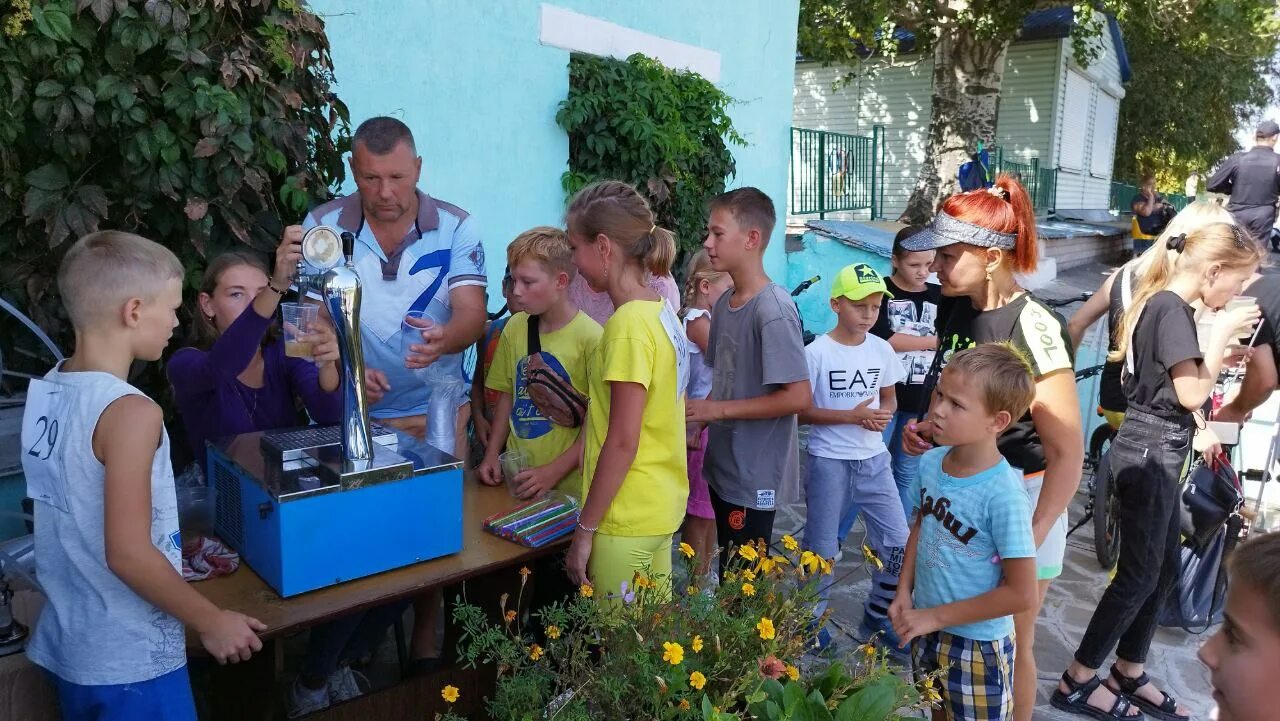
column 312, row 507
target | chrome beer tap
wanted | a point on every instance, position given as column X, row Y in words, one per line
column 342, row 298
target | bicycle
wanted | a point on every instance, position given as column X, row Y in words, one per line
column 806, row 335
column 1105, row 514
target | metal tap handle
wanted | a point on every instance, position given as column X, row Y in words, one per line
column 348, row 245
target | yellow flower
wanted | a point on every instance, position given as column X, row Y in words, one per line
column 642, row 581
column 586, row 590
column 793, row 673
column 811, row 561
column 868, row 650
column 449, row 693
column 510, row 616
column 765, row 627
column 748, row 589
column 553, row 632
column 930, row 694
column 535, row 652
column 691, row 591
column 524, row 572
column 683, row 705
column 790, row 543
column 767, row 564
column 730, row 576
column 687, row 550
column 672, row 653
column 696, row 644
column 828, row 567
column 697, row 680
column 748, row 552
column 872, row 558
column 749, row 574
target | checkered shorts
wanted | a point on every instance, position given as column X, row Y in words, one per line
column 978, row 682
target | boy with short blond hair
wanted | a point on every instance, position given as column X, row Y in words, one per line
column 760, row 380
column 971, row 559
column 541, row 264
column 96, row 459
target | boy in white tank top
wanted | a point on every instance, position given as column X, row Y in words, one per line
column 96, row 458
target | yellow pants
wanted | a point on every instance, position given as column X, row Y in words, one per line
column 617, row 559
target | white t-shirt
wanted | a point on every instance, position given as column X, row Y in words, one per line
column 842, row 376
column 699, row 371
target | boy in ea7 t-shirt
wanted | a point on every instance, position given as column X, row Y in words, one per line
column 852, row 374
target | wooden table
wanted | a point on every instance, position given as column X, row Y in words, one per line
column 482, row 554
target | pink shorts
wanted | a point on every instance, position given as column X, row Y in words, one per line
column 699, row 505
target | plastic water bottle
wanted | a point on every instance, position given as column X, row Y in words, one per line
column 442, row 413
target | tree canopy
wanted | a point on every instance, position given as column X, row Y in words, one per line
column 1199, row 68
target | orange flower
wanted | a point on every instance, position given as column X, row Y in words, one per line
column 683, row 705
column 535, row 652
column 510, row 616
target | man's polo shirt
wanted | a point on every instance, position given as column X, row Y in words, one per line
column 442, row 252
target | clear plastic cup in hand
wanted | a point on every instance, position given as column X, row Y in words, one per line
column 446, row 368
column 512, row 462
column 297, row 321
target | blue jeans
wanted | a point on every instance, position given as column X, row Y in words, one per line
column 164, row 698
column 905, row 467
column 831, row 487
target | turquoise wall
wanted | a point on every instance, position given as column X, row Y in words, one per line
column 824, row 256
column 480, row 94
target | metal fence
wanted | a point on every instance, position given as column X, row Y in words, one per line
column 1041, row 183
column 1122, row 195
column 833, row 172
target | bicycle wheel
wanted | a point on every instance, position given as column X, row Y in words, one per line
column 1106, row 517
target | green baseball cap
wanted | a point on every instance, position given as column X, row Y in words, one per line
column 858, row 281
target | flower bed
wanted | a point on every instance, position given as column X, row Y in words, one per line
column 732, row 653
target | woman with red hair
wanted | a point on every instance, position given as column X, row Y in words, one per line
column 985, row 238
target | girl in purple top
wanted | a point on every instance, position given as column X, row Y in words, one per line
column 236, row 378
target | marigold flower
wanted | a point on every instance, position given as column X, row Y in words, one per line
column 449, row 693
column 790, row 543
column 749, row 574
column 696, row 644
column 683, row 705
column 553, row 632
column 524, row 572
column 928, row 693
column 586, row 590
column 643, row 581
column 697, row 680
column 793, row 673
column 672, row 653
column 748, row 552
column 868, row 650
column 687, row 550
column 748, row 589
column 872, row 558
column 691, row 591
column 535, row 652
column 510, row 616
column 828, row 567
column 765, row 627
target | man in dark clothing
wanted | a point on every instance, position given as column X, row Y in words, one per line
column 1252, row 179
column 1150, row 208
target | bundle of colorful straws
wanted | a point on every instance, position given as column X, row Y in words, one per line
column 536, row 523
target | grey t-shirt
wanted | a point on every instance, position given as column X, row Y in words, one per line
column 752, row 350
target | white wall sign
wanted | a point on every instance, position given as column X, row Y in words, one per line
column 580, row 33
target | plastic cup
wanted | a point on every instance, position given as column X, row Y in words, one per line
column 442, row 370
column 512, row 462
column 298, row 319
column 195, row 513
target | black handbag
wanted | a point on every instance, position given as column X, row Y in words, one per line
column 1211, row 495
column 1197, row 603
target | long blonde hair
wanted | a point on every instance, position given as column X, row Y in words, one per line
column 697, row 270
column 1187, row 221
column 1222, row 243
column 615, row 209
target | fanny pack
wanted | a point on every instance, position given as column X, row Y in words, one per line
column 551, row 392
column 1211, row 495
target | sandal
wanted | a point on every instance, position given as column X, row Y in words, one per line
column 1167, row 709
column 1077, row 701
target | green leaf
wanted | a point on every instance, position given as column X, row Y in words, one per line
column 51, row 176
column 51, row 22
column 49, row 89
column 871, row 703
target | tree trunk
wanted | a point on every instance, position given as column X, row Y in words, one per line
column 967, row 73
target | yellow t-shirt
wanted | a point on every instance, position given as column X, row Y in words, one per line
column 643, row 343
column 532, row 433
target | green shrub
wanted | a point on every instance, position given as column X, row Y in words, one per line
column 664, row 131
column 202, row 124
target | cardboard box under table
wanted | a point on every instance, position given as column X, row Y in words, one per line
column 303, row 519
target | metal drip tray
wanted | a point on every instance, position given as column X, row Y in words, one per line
column 294, row 444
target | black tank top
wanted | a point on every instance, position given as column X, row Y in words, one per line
column 1110, row 385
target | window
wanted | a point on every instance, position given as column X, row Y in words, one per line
column 1106, row 115
column 1075, row 121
